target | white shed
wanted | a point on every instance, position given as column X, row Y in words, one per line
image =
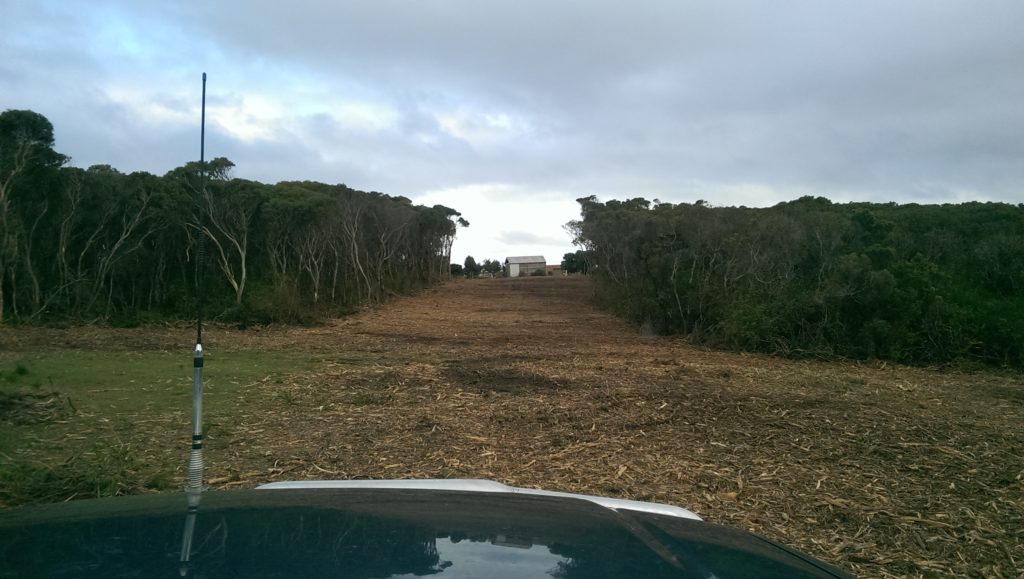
column 524, row 265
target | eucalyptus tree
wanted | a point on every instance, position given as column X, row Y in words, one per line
column 449, row 222
column 491, row 266
column 470, row 267
column 231, row 214
column 26, row 159
column 297, row 221
column 97, row 243
column 392, row 219
column 573, row 262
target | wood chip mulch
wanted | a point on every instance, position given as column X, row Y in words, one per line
column 883, row 470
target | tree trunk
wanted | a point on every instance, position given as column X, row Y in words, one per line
column 14, row 293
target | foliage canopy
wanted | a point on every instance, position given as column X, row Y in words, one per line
column 909, row 283
column 81, row 245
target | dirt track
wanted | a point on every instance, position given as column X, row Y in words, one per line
column 879, row 469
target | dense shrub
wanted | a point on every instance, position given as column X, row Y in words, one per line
column 98, row 244
column 910, row 283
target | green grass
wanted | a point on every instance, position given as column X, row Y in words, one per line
column 132, row 381
column 76, row 368
column 120, row 413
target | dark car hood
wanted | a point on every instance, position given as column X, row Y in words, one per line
column 379, row 533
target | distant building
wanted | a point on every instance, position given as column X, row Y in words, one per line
column 555, row 269
column 524, row 265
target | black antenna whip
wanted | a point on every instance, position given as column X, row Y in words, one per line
column 194, row 488
column 195, row 462
column 202, row 233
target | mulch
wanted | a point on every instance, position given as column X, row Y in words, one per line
column 883, row 470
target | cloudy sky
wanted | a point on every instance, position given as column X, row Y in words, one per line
column 510, row 110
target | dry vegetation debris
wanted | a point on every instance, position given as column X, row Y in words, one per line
column 883, row 470
column 34, row 407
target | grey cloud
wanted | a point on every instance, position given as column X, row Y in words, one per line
column 911, row 100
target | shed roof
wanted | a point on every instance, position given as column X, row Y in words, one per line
column 526, row 259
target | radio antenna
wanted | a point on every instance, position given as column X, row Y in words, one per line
column 194, row 488
column 195, row 461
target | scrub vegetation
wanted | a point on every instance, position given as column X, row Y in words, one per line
column 922, row 284
column 83, row 245
column 883, row 469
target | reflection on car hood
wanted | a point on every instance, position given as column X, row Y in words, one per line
column 380, row 532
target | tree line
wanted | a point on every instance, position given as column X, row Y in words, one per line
column 909, row 283
column 97, row 244
column 470, row 267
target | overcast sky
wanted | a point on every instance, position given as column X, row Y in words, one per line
column 508, row 111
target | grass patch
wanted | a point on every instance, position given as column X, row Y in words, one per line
column 114, row 422
column 17, row 373
column 96, row 471
column 137, row 381
column 287, row 397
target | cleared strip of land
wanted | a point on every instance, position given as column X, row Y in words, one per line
column 880, row 469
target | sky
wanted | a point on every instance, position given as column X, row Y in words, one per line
column 508, row 111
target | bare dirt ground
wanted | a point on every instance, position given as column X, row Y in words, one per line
column 880, row 469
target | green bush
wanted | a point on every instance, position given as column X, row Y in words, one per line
column 909, row 283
